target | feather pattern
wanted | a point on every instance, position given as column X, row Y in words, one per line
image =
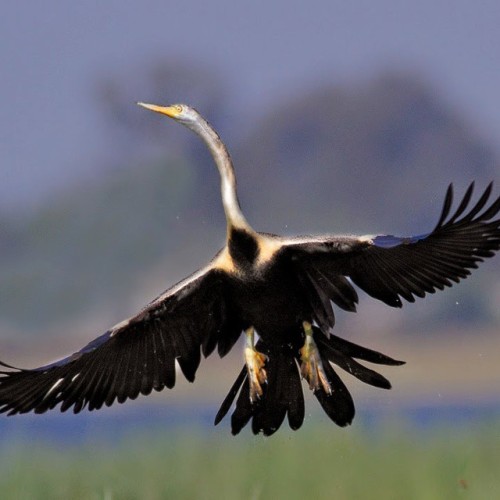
column 391, row 268
column 275, row 286
column 283, row 391
column 209, row 310
column 136, row 357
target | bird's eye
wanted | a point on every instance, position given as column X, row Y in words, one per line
column 178, row 108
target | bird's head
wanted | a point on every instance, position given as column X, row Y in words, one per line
column 181, row 113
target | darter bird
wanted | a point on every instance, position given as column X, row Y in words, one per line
column 278, row 292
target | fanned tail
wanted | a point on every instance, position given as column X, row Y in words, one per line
column 283, row 396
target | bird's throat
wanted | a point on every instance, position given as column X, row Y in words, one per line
column 243, row 247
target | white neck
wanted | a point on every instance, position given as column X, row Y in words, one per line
column 220, row 154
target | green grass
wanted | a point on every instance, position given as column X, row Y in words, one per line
column 325, row 462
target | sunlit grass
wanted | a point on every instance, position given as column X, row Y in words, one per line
column 325, row 462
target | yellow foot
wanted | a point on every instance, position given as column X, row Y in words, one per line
column 311, row 367
column 257, row 375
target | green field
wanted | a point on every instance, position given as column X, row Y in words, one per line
column 324, row 462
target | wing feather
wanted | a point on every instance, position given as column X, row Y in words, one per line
column 391, row 268
column 135, row 357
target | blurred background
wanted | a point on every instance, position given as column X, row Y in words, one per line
column 340, row 117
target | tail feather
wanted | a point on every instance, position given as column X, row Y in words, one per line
column 296, row 409
column 283, row 396
column 244, row 409
column 274, row 404
column 350, row 365
column 338, row 405
column 359, row 352
column 228, row 400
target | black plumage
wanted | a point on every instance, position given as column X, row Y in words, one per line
column 280, row 288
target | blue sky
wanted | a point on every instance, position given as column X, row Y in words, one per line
column 52, row 54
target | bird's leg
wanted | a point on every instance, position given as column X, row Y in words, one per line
column 255, row 362
column 311, row 367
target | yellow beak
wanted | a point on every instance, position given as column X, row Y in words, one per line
column 170, row 111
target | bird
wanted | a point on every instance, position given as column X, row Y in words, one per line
column 278, row 293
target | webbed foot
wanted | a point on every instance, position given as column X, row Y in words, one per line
column 255, row 362
column 311, row 367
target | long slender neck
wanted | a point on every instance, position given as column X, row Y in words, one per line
column 234, row 217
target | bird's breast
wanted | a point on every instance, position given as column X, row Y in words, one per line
column 247, row 255
column 271, row 299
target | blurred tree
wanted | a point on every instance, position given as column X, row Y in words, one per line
column 364, row 158
column 159, row 82
column 93, row 244
column 374, row 157
column 136, row 134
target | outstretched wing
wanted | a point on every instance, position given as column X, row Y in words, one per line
column 390, row 268
column 134, row 357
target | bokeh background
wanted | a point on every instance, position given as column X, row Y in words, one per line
column 341, row 117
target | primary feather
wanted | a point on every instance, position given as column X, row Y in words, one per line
column 281, row 288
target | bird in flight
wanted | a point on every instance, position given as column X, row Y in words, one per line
column 278, row 292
